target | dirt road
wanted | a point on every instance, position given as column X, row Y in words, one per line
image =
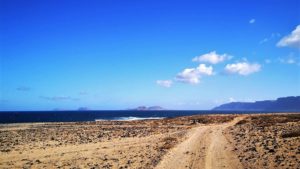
column 206, row 147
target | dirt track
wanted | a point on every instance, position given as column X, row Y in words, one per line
column 206, row 147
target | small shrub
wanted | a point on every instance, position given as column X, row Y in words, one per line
column 241, row 122
column 169, row 139
column 294, row 133
column 169, row 142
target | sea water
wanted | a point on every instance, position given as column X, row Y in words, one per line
column 77, row 116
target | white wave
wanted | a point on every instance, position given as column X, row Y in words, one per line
column 131, row 118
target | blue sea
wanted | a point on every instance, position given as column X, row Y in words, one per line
column 80, row 116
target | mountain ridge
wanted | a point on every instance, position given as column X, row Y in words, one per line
column 290, row 103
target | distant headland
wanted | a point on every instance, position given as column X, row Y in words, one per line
column 291, row 103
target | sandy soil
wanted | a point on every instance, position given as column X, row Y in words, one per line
column 206, row 147
column 111, row 147
column 207, row 141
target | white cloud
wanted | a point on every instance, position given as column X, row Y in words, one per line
column 164, row 83
column 242, row 68
column 189, row 75
column 212, row 58
column 193, row 75
column 251, row 21
column 205, row 70
column 291, row 40
column 231, row 99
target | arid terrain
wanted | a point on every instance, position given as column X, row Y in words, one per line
column 267, row 141
column 202, row 141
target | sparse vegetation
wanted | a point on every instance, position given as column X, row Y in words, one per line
column 269, row 141
column 242, row 122
column 293, row 133
column 269, row 120
column 169, row 142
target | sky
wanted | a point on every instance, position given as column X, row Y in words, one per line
column 111, row 55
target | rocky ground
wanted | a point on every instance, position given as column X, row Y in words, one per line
column 203, row 141
column 267, row 141
column 101, row 144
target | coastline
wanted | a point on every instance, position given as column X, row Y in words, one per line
column 251, row 140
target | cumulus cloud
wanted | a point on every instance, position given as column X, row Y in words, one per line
column 251, row 21
column 205, row 70
column 193, row 75
column 23, row 89
column 291, row 40
column 212, row 57
column 189, row 75
column 164, row 83
column 58, row 98
column 242, row 68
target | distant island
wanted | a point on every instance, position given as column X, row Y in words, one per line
column 151, row 108
column 291, row 103
column 83, row 109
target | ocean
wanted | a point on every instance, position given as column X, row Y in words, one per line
column 80, row 116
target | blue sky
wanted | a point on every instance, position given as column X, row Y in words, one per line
column 123, row 54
